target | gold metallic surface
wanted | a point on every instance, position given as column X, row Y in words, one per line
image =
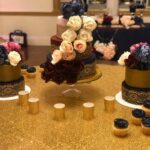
column 137, row 78
column 59, row 111
column 8, row 73
column 21, row 131
column 23, row 98
column 33, row 105
column 109, row 103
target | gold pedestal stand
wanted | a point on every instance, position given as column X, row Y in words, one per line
column 72, row 88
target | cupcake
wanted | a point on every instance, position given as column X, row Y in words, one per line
column 145, row 123
column 146, row 107
column 31, row 72
column 41, row 69
column 137, row 115
column 24, row 68
column 120, row 127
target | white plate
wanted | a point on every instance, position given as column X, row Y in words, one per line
column 27, row 88
column 120, row 100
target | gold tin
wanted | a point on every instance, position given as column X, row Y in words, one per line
column 9, row 73
column 137, row 78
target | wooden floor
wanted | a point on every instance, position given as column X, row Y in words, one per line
column 35, row 55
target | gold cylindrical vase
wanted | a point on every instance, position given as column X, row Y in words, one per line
column 59, row 111
column 23, row 98
column 33, row 105
column 109, row 103
column 88, row 111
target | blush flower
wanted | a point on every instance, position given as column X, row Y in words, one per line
column 56, row 56
column 69, row 35
column 89, row 23
column 69, row 56
column 108, row 53
column 80, row 46
column 14, row 58
column 85, row 35
column 74, row 23
column 66, row 47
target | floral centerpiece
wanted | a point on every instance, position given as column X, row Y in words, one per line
column 137, row 58
column 10, row 53
column 63, row 64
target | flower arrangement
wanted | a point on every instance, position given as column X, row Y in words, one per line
column 63, row 62
column 10, row 53
column 72, row 8
column 107, row 51
column 137, row 58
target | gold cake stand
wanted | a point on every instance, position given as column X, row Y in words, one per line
column 95, row 77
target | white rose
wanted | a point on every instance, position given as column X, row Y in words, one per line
column 74, row 23
column 80, row 46
column 69, row 35
column 122, row 58
column 14, row 58
column 66, row 46
column 89, row 23
column 56, row 56
column 85, row 35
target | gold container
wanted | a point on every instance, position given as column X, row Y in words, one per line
column 109, row 103
column 9, row 73
column 59, row 111
column 23, row 98
column 33, row 105
column 137, row 78
column 88, row 111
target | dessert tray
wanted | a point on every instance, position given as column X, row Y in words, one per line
column 27, row 88
column 121, row 101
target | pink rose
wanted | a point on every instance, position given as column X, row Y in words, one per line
column 66, row 47
column 80, row 46
column 108, row 53
column 56, row 56
column 12, row 46
column 69, row 56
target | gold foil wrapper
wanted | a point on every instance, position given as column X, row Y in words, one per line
column 88, row 111
column 33, row 105
column 9, row 73
column 137, row 78
column 59, row 111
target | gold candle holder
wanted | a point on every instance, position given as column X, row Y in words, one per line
column 88, row 111
column 109, row 103
column 33, row 105
column 23, row 98
column 59, row 110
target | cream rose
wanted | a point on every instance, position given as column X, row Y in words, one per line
column 122, row 58
column 69, row 35
column 80, row 46
column 89, row 23
column 14, row 58
column 66, row 46
column 56, row 56
column 85, row 35
column 69, row 56
column 74, row 23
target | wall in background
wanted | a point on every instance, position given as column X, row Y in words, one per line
column 26, row 5
column 38, row 28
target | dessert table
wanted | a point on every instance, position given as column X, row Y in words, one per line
column 122, row 37
column 21, row 130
